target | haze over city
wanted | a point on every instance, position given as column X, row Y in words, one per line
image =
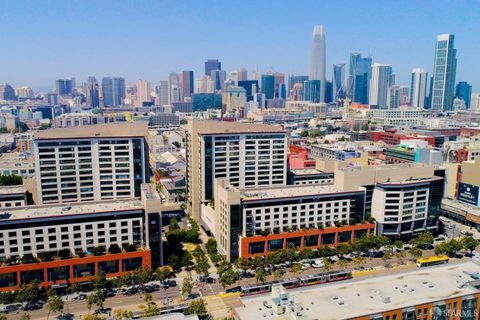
column 46, row 40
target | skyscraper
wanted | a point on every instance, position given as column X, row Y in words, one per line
column 118, row 91
column 418, row 88
column 444, row 71
column 174, row 91
column 464, row 91
column 212, row 64
column 242, row 74
column 143, row 93
column 268, row 85
column 219, row 76
column 398, row 96
column 360, row 72
column 318, row 59
column 379, row 84
column 113, row 90
column 162, row 93
column 187, row 84
column 251, row 87
column 311, row 90
column 92, row 93
column 338, row 78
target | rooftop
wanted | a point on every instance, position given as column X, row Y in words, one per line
column 52, row 210
column 109, row 130
column 289, row 191
column 212, row 127
column 307, row 171
column 12, row 190
column 355, row 298
column 16, row 160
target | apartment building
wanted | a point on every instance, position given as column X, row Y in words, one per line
column 78, row 228
column 404, row 199
column 250, row 155
column 255, row 222
column 309, row 176
column 13, row 196
column 91, row 163
column 443, row 292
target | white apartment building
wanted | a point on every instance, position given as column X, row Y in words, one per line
column 250, row 155
column 400, row 116
column 98, row 162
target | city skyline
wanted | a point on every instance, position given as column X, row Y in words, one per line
column 152, row 54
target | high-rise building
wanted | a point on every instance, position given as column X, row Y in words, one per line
column 475, row 102
column 268, row 86
column 92, row 93
column 143, row 93
column 118, row 91
column 235, row 98
column 296, row 93
column 311, row 90
column 90, row 163
column 24, row 93
column 464, row 91
column 379, row 84
column 328, row 91
column 211, row 65
column 338, row 79
column 233, row 76
column 251, row 87
column 444, row 72
column 162, row 93
column 418, row 88
column 318, row 59
column 219, row 77
column 174, row 89
column 250, row 155
column 187, row 84
column 242, row 74
column 7, row 92
column 428, row 97
column 204, row 85
column 113, row 90
column 398, row 96
column 360, row 72
column 292, row 80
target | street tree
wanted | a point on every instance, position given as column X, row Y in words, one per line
column 297, row 267
column 163, row 273
column 99, row 281
column 202, row 265
column 187, row 287
column 343, row 249
column 260, row 275
column 198, row 307
column 25, row 316
column 147, row 297
column 398, row 244
column 55, row 304
column 415, row 252
column 469, row 243
column 228, row 277
column 242, row 263
column 95, row 298
column 123, row 314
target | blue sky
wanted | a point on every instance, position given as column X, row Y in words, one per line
column 44, row 40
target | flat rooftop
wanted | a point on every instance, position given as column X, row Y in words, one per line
column 222, row 127
column 288, row 191
column 308, row 171
column 463, row 207
column 355, row 298
column 16, row 160
column 77, row 208
column 6, row 190
column 109, row 130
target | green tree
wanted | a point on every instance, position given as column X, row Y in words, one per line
column 398, row 244
column 92, row 317
column 183, row 121
column 173, row 225
column 469, row 243
column 307, row 253
column 3, row 317
column 123, row 314
column 147, row 297
column 55, row 304
column 260, row 275
column 10, row 180
column 423, row 240
column 344, row 248
column 99, row 281
column 242, row 263
column 198, row 307
column 187, row 286
column 202, row 265
column 114, row 248
column 98, row 251
column 95, row 298
column 297, row 267
column 163, row 273
column 29, row 292
column 142, row 275
column 211, row 245
column 415, row 252
column 25, row 316
column 342, row 263
column 228, row 277
column 327, row 264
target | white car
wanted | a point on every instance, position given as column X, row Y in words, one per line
column 318, row 263
column 305, row 266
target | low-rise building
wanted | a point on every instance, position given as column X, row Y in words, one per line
column 444, row 292
column 13, row 196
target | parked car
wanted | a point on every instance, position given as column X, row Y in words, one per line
column 103, row 310
column 206, row 279
column 466, row 233
column 318, row 263
column 11, row 307
column 31, row 306
column 65, row 316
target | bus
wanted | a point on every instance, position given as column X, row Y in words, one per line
column 431, row 261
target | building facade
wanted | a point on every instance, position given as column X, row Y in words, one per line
column 444, row 72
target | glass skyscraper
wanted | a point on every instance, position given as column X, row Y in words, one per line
column 444, row 70
column 464, row 91
column 338, row 78
column 268, row 85
column 311, row 90
column 360, row 73
column 113, row 91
